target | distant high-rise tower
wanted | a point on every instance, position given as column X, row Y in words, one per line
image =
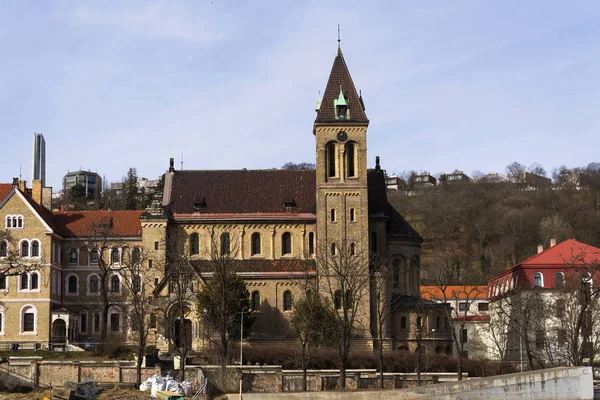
column 39, row 158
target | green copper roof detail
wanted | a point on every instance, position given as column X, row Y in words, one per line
column 319, row 100
column 341, row 100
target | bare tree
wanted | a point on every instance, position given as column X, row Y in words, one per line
column 344, row 278
column 497, row 330
column 223, row 298
column 11, row 262
column 384, row 279
column 137, row 277
column 312, row 322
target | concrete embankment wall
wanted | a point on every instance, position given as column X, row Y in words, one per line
column 556, row 383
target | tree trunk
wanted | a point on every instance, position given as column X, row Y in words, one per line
column 419, row 366
column 343, row 372
column 304, row 366
column 138, row 366
column 380, row 363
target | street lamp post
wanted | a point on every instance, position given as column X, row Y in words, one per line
column 433, row 336
column 241, row 349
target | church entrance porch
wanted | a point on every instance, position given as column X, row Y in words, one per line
column 64, row 329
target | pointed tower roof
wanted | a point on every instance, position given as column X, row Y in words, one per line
column 340, row 81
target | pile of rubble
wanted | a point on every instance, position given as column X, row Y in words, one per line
column 157, row 383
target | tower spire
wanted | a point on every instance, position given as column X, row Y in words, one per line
column 339, row 52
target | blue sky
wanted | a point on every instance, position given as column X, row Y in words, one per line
column 233, row 84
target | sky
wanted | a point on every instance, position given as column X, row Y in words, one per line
column 469, row 85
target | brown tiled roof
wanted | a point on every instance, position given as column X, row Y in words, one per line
column 243, row 191
column 259, row 266
column 340, row 77
column 5, row 189
column 86, row 223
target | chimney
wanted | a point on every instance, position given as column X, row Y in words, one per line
column 23, row 186
column 377, row 167
column 15, row 183
column 171, row 165
column 540, row 248
column 552, row 242
column 36, row 191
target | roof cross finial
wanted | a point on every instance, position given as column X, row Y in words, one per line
column 339, row 40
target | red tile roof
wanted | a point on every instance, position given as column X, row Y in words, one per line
column 568, row 252
column 5, row 189
column 454, row 292
column 340, row 77
column 85, row 223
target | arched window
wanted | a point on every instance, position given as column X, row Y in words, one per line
column 352, row 215
column 35, row 248
column 35, row 281
column 136, row 255
column 225, row 244
column 255, row 304
column 24, row 248
column 396, row 273
column 350, row 163
column 194, row 244
column 24, row 281
column 287, row 300
column 337, row 299
column 311, row 243
column 73, row 256
column 348, row 299
column 352, row 249
column 114, row 321
column 1, row 320
column 332, row 212
column 8, row 223
column 94, row 284
column 114, row 255
column 373, row 242
column 72, row 284
column 20, row 222
column 137, row 283
column 255, row 244
column 286, row 243
column 3, row 248
column 28, row 319
column 94, row 256
column 333, row 249
column 413, row 275
column 403, row 323
column 538, row 279
column 560, row 279
column 115, row 284
column 331, row 154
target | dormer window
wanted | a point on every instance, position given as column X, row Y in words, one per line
column 341, row 106
column 199, row 206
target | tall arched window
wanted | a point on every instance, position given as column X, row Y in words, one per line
column 396, row 274
column 35, row 281
column 255, row 303
column 73, row 256
column 287, row 300
column 413, row 274
column 225, row 244
column 35, row 248
column 137, row 283
column 194, row 244
column 311, row 243
column 255, row 244
column 352, row 249
column 136, row 255
column 350, row 157
column 28, row 319
column 333, row 249
column 337, row 300
column 352, row 215
column 373, row 242
column 24, row 281
column 286, row 243
column 403, row 323
column 72, row 284
column 3, row 248
column 25, row 248
column 114, row 255
column 538, row 279
column 115, row 284
column 332, row 212
column 94, row 284
column 331, row 154
column 94, row 256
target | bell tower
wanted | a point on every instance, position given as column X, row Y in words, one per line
column 340, row 131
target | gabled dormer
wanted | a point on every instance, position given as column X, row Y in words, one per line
column 342, row 112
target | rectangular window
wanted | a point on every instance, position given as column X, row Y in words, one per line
column 83, row 322
column 152, row 321
column 28, row 322
column 96, row 322
column 3, row 284
column 149, row 263
column 464, row 336
column 155, row 245
column 463, row 307
column 483, row 306
column 114, row 322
